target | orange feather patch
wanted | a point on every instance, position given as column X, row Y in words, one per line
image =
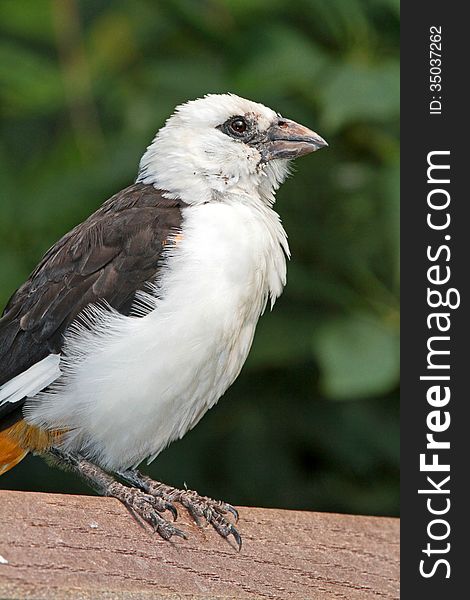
column 20, row 438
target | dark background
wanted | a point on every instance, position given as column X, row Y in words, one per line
column 312, row 421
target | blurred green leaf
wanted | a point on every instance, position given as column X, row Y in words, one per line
column 358, row 357
column 111, row 42
column 355, row 91
column 394, row 5
column 29, row 82
column 30, row 19
column 282, row 56
column 344, row 23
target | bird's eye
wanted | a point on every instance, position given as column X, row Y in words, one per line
column 238, row 125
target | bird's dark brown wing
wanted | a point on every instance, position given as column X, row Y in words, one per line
column 108, row 257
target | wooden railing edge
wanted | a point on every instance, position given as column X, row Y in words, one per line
column 62, row 546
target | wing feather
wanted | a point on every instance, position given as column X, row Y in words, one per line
column 110, row 257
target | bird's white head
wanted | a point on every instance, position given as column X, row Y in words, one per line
column 223, row 145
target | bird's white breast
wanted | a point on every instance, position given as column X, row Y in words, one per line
column 134, row 384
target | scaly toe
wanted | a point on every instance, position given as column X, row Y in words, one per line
column 166, row 530
column 148, row 508
column 228, row 508
column 224, row 528
column 213, row 512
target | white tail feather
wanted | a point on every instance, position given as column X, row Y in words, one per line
column 31, row 381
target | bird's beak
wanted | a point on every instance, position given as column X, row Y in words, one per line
column 288, row 139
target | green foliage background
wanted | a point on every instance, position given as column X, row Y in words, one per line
column 312, row 422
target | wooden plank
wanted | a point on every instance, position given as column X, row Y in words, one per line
column 78, row 547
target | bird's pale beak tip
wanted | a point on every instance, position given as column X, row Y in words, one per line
column 289, row 140
column 320, row 143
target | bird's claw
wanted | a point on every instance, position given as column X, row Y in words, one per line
column 237, row 536
column 232, row 510
column 172, row 508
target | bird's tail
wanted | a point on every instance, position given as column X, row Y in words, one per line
column 18, row 439
column 11, row 453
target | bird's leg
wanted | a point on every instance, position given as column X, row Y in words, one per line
column 213, row 511
column 147, row 506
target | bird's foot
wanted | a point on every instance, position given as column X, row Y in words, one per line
column 147, row 499
column 148, row 507
column 144, row 506
column 214, row 512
